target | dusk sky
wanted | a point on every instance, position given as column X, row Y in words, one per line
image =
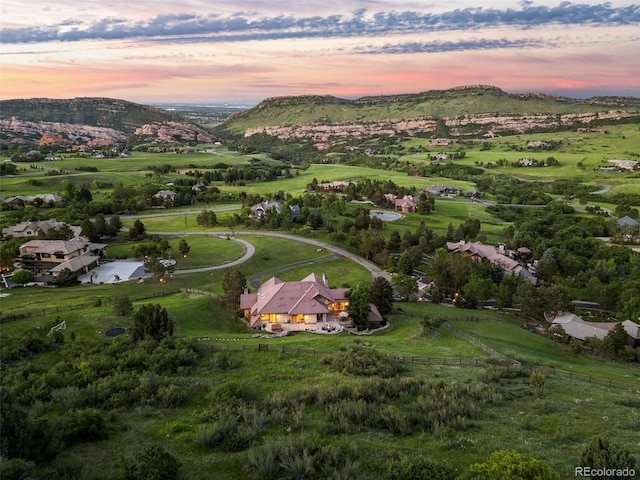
column 247, row 50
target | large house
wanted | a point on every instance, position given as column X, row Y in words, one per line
column 262, row 208
column 442, row 191
column 337, row 185
column 406, row 204
column 45, row 198
column 580, row 329
column 32, row 227
column 500, row 256
column 50, row 257
column 301, row 305
column 575, row 327
column 165, row 196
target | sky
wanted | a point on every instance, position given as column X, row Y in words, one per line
column 243, row 51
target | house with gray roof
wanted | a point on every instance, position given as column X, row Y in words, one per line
column 262, row 208
column 32, row 227
column 627, row 221
column 580, row 329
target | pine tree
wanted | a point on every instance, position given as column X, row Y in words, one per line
column 381, row 295
column 359, row 306
column 151, row 322
column 233, row 284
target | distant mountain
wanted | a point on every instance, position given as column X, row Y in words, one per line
column 93, row 121
column 467, row 110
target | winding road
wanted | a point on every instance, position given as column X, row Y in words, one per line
column 250, row 249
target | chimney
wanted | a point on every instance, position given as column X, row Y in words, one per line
column 325, row 280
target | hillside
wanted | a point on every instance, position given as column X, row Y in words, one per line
column 472, row 110
column 94, row 112
column 93, row 121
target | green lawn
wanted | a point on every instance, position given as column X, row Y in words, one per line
column 509, row 338
column 205, row 251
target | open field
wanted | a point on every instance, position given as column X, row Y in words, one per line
column 552, row 428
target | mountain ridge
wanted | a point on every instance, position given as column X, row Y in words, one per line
column 458, row 111
column 480, row 100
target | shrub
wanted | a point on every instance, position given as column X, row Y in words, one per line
column 600, row 453
column 360, row 360
column 152, row 463
column 414, row 468
column 510, row 465
column 81, row 425
column 122, row 306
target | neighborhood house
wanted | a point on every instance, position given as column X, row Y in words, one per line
column 261, row 209
column 50, row 257
column 406, row 204
column 500, row 256
column 32, row 227
column 577, row 328
column 442, row 191
column 307, row 304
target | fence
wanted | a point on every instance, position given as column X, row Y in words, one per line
column 414, row 359
column 198, row 292
column 481, row 345
column 57, row 309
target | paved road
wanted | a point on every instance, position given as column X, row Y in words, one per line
column 174, row 213
column 370, row 266
column 255, row 280
column 249, row 251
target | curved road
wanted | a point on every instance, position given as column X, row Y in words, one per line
column 370, row 266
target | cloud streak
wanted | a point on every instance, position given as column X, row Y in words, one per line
column 249, row 27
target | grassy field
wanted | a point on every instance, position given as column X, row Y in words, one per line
column 552, row 428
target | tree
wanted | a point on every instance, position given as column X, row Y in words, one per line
column 558, row 333
column 207, row 218
column 122, row 306
column 601, row 454
column 9, row 250
column 233, row 285
column 151, row 322
column 405, row 287
column 475, row 290
column 430, row 325
column 425, row 204
column 138, row 230
column 405, row 264
column 66, row 277
column 451, row 270
column 359, row 306
column 156, row 267
column 630, row 309
column 381, row 295
column 617, row 339
column 183, row 247
column 22, row 276
column 510, row 465
column 114, row 226
column 152, row 463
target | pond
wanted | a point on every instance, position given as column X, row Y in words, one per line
column 385, row 216
column 115, row 331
